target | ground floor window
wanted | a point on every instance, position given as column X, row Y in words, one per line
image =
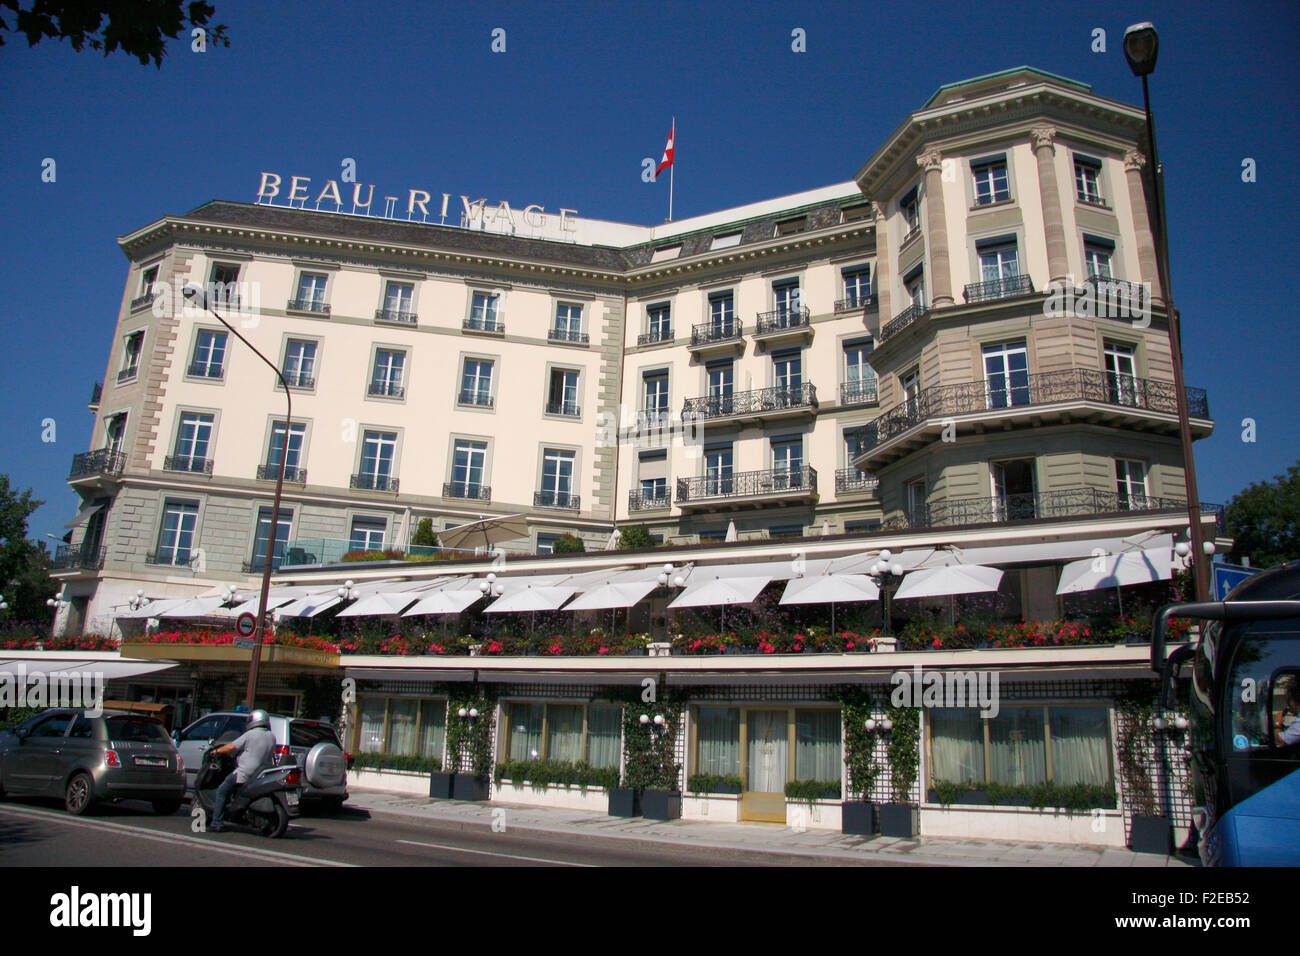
column 768, row 747
column 569, row 733
column 402, row 726
column 1021, row 746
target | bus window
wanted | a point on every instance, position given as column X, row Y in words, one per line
column 1248, row 687
column 1286, row 709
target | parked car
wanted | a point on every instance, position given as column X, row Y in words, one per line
column 86, row 760
column 313, row 744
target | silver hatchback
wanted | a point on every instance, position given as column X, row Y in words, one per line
column 86, row 760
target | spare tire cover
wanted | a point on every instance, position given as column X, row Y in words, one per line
column 325, row 766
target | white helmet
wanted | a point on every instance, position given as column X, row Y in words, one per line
column 259, row 718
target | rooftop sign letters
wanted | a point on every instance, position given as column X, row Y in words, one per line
column 417, row 206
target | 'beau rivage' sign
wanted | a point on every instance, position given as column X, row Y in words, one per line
column 419, row 206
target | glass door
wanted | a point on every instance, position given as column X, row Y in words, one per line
column 767, row 765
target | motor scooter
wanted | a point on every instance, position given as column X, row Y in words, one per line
column 264, row 804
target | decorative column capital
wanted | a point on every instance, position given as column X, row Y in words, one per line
column 1134, row 160
column 877, row 210
column 931, row 161
column 1044, row 137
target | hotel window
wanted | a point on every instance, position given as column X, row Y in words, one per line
column 771, row 734
column 914, row 499
column 659, row 323
column 148, row 279
column 910, row 207
column 1122, row 385
column 569, row 733
column 300, row 363
column 862, row 525
column 856, row 213
column 1015, row 488
column 666, row 252
column 788, row 227
column 914, row 283
column 562, row 396
column 727, row 241
column 1087, row 180
column 717, row 470
column 224, row 281
column 176, row 535
column 652, row 477
column 655, row 394
column 378, row 449
column 546, row 542
column 468, row 469
column 998, row 259
column 857, row 286
column 263, row 534
column 788, row 300
column 398, row 297
column 275, row 452
column 910, row 382
column 787, row 463
column 193, row 444
column 717, row 735
column 209, row 355
column 386, row 380
column 367, row 534
column 483, row 312
column 311, row 292
column 991, row 182
column 1131, row 483
column 787, row 376
column 557, row 478
column 114, row 433
column 1006, row 375
column 403, row 726
column 722, row 314
column 476, row 383
column 859, row 376
column 568, row 322
column 1021, row 746
column 131, row 356
column 1097, row 254
column 721, row 376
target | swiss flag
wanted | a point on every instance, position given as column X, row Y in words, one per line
column 668, row 151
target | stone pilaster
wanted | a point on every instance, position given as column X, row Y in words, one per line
column 884, row 267
column 1058, row 263
column 1146, row 243
column 936, row 236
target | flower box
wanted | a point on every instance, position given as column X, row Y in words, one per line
column 858, row 816
column 900, row 820
column 624, row 802
column 473, row 787
column 661, row 804
column 1150, row 835
column 440, row 785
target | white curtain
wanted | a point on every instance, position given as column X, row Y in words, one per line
column 526, row 731
column 719, row 741
column 372, row 725
column 401, row 726
column 604, row 736
column 817, row 754
column 564, row 732
column 1017, row 747
column 956, row 745
column 433, row 728
column 1080, row 745
column 769, row 751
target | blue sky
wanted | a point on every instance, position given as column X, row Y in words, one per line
column 565, row 116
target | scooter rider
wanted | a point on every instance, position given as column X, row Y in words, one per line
column 253, row 752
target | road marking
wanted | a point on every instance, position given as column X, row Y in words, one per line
column 508, row 856
column 176, row 839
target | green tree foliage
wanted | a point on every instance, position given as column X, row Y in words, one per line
column 24, row 565
column 635, row 536
column 568, row 544
column 139, row 29
column 424, row 536
column 1264, row 521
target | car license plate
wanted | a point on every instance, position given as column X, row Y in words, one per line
column 292, row 798
column 151, row 761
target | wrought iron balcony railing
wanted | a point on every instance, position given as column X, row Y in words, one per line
column 641, row 501
column 998, row 288
column 96, row 393
column 71, row 556
column 867, row 300
column 850, row 479
column 911, row 234
column 661, row 334
column 315, row 306
column 1029, row 506
column 467, row 489
column 188, row 463
column 901, row 321
column 782, row 319
column 395, row 315
column 271, row 472
column 566, row 409
column 1071, row 384
column 479, row 399
column 756, row 402
column 568, row 335
column 800, row 478
column 708, row 332
column 556, row 499
column 104, row 461
column 170, row 557
column 386, row 390
column 373, row 483
column 859, row 393
column 207, row 370
column 494, row 324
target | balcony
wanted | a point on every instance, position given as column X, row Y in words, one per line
column 641, row 501
column 271, row 472
column 784, row 325
column 205, row 370
column 170, row 558
column 849, row 480
column 386, row 390
column 911, row 234
column 467, row 489
column 556, row 499
column 1097, row 397
column 1111, row 298
column 104, row 463
column 780, row 486
column 373, row 483
column 867, row 301
column 1003, row 288
column 69, row 557
column 96, row 393
column 475, row 398
column 493, row 324
column 780, row 401
column 1033, row 506
column 901, row 321
column 564, row 409
column 395, row 316
column 662, row 334
column 718, row 336
column 859, row 393
column 188, row 463
column 314, row 306
column 568, row 336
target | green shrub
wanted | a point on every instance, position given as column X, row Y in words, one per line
column 568, row 544
column 810, row 790
column 711, row 783
column 635, row 536
column 539, row 774
column 406, row 762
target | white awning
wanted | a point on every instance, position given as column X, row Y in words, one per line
column 614, row 594
column 155, row 608
column 949, row 579
column 831, row 589
column 445, row 601
column 384, row 602
column 84, row 514
column 719, row 591
column 310, row 606
column 1113, row 570
column 532, row 599
column 111, row 670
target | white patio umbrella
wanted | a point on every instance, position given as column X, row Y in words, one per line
column 612, row 595
column 831, row 589
column 529, row 598
column 1140, row 566
column 948, row 580
column 615, row 537
column 197, row 607
column 444, row 601
column 731, row 532
column 310, row 606
column 155, row 608
column 382, row 602
column 721, row 591
column 485, row 532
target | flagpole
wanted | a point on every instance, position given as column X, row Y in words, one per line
column 671, row 170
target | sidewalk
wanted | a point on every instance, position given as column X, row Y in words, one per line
column 759, row 837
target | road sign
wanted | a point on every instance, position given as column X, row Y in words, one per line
column 1228, row 576
column 246, row 624
column 243, row 642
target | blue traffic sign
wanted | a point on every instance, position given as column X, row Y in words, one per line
column 1225, row 577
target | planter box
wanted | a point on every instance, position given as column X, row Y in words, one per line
column 661, row 804
column 886, row 645
column 858, row 816
column 554, row 795
column 715, row 807
column 440, row 785
column 977, row 798
column 471, row 786
column 819, row 815
column 392, row 781
column 899, row 820
column 1024, row 824
column 624, row 802
column 1150, row 835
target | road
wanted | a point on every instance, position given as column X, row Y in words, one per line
column 35, row 833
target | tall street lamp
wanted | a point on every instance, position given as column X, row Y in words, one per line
column 1141, row 46
column 197, row 295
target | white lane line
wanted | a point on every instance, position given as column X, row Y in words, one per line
column 508, row 856
column 175, row 839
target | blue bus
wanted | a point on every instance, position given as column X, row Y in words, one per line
column 1244, row 699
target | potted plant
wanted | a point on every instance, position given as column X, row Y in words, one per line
column 470, row 716
column 858, row 816
column 648, row 746
column 1149, row 830
column 440, row 784
column 902, row 818
column 712, row 783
